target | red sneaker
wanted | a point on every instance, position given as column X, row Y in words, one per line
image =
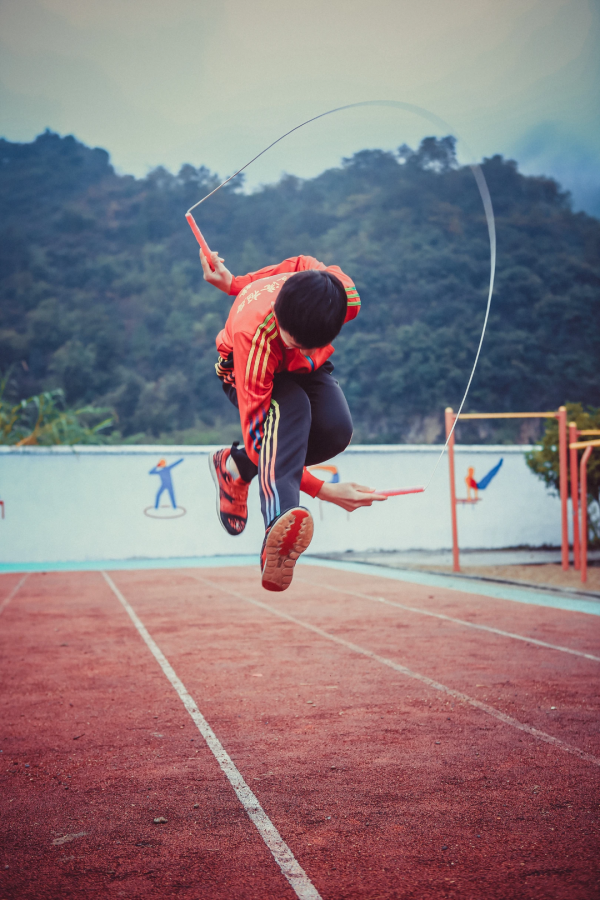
column 232, row 494
column 286, row 538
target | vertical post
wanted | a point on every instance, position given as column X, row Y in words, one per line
column 574, row 491
column 455, row 555
column 584, row 528
column 563, row 484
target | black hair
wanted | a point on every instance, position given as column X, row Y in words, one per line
column 311, row 307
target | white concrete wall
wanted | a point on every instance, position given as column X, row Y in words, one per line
column 92, row 503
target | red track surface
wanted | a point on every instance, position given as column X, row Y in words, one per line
column 381, row 785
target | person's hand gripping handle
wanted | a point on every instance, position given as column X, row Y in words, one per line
column 349, row 495
column 218, row 275
column 212, row 264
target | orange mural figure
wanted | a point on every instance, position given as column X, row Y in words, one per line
column 471, row 484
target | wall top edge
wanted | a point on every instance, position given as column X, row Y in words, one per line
column 206, row 449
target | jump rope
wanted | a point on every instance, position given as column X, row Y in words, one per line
column 489, row 216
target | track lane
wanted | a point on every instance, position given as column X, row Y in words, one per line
column 10, row 584
column 423, row 679
column 312, row 583
column 366, row 751
column 281, row 853
column 551, row 691
column 544, row 623
column 95, row 746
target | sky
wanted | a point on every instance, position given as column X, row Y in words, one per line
column 212, row 82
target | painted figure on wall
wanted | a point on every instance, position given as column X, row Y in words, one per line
column 330, row 474
column 473, row 487
column 166, row 482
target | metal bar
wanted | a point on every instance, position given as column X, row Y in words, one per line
column 574, row 491
column 563, row 484
column 591, row 431
column 540, row 415
column 581, row 445
column 449, row 417
column 584, row 526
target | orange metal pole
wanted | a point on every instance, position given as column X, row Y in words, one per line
column 584, row 528
column 580, row 445
column 521, row 415
column 563, row 483
column 573, row 434
column 455, row 554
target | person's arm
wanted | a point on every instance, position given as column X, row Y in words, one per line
column 292, row 264
column 348, row 495
column 229, row 284
column 303, row 264
column 352, row 298
column 221, row 277
column 310, row 484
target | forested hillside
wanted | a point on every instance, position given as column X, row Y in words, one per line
column 102, row 293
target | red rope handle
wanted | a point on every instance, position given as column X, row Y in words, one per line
column 413, row 490
column 200, row 238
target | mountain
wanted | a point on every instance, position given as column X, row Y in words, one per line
column 101, row 291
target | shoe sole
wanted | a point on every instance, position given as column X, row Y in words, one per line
column 215, row 478
column 288, row 538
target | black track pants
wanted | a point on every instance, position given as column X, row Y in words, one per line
column 308, row 423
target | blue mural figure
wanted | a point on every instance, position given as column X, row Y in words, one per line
column 491, row 474
column 166, row 484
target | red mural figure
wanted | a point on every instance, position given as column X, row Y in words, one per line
column 471, row 484
column 476, row 486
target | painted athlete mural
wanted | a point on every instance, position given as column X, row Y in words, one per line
column 473, row 487
column 159, row 511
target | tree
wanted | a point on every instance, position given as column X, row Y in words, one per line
column 544, row 460
column 101, row 292
column 43, row 420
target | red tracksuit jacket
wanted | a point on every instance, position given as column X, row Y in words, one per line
column 252, row 336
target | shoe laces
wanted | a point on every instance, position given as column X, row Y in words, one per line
column 235, row 488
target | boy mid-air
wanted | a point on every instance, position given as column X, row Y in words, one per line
column 274, row 364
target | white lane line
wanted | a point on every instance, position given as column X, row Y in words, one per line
column 436, row 685
column 283, row 856
column 7, row 600
column 426, row 612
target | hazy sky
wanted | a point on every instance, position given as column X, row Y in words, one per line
column 213, row 81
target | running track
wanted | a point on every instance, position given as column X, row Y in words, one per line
column 355, row 737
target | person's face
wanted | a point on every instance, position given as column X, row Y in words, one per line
column 291, row 344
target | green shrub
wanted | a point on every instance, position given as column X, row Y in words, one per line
column 544, row 460
column 43, row 419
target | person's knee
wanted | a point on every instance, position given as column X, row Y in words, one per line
column 334, row 436
column 343, row 436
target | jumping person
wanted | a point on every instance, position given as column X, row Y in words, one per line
column 274, row 365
